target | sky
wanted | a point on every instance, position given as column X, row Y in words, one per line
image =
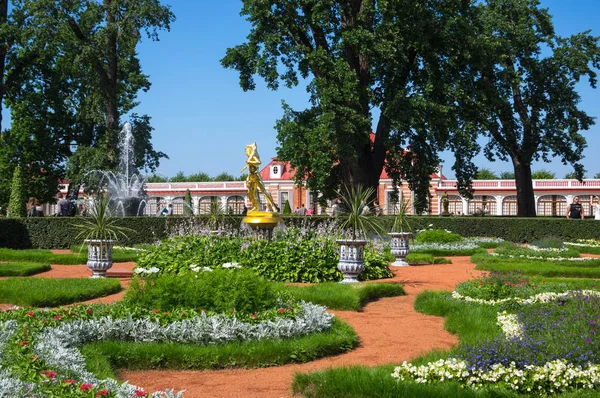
column 203, row 119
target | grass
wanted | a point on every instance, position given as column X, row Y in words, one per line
column 22, row 268
column 45, row 292
column 342, row 296
column 47, row 257
column 568, row 269
column 425, row 259
column 103, row 357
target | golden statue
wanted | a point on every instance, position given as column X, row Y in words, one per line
column 253, row 182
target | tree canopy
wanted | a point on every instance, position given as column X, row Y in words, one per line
column 485, row 174
column 525, row 89
column 70, row 72
column 395, row 59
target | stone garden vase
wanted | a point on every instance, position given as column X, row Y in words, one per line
column 351, row 259
column 399, row 246
column 99, row 256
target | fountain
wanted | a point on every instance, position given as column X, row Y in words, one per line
column 126, row 187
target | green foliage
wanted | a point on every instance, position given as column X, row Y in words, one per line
column 571, row 175
column 376, row 266
column 329, row 144
column 485, row 174
column 419, row 259
column 16, row 206
column 543, row 174
column 437, row 236
column 46, row 292
column 187, row 207
column 402, row 218
column 22, row 269
column 79, row 256
column 507, row 175
column 355, row 199
column 100, row 224
column 249, row 354
column 287, row 209
column 219, row 291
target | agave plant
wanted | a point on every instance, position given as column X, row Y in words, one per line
column 401, row 219
column 217, row 215
column 100, row 224
column 354, row 218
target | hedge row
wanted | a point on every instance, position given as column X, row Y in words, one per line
column 58, row 232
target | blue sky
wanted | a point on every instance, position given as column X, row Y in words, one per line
column 203, row 119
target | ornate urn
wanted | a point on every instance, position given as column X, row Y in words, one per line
column 399, row 247
column 351, row 259
column 99, row 256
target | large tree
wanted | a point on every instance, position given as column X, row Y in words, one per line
column 86, row 75
column 526, row 89
column 398, row 59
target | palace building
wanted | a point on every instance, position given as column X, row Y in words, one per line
column 491, row 197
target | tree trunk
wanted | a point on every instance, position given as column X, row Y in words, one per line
column 525, row 196
column 110, row 99
column 3, row 51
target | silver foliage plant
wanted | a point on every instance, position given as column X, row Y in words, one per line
column 58, row 346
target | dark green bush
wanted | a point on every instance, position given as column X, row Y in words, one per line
column 57, row 233
column 221, row 290
column 419, row 259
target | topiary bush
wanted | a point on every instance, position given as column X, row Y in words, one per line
column 221, row 291
column 437, row 236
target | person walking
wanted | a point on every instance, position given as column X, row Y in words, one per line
column 63, row 206
column 595, row 206
column 574, row 210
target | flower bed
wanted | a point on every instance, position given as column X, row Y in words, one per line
column 39, row 354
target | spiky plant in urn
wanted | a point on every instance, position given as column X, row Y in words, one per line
column 401, row 235
column 358, row 221
column 99, row 230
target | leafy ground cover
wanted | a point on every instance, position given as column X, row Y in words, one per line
column 22, row 268
column 425, row 259
column 44, row 292
column 298, row 255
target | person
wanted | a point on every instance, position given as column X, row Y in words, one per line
column 302, row 210
column 335, row 208
column 378, row 211
column 82, row 210
column 595, row 207
column 364, row 209
column 244, row 210
column 63, row 206
column 574, row 210
column 309, row 211
column 31, row 207
column 39, row 211
column 169, row 210
column 297, row 210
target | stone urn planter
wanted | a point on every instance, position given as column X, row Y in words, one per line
column 399, row 247
column 351, row 259
column 99, row 256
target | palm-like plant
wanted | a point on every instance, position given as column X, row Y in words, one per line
column 354, row 199
column 100, row 224
column 217, row 214
column 401, row 220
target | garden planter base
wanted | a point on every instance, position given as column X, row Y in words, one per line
column 399, row 247
column 351, row 259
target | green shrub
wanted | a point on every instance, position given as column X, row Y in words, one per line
column 287, row 209
column 221, row 290
column 376, row 266
column 437, row 236
column 16, row 204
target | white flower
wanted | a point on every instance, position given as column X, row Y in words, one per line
column 231, row 265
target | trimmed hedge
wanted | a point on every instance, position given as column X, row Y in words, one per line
column 56, row 232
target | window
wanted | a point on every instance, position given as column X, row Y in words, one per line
column 205, row 203
column 178, row 205
column 455, row 204
column 483, row 204
column 235, row 204
column 154, row 205
column 509, row 206
column 552, row 205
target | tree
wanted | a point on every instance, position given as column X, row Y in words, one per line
column 187, row 208
column 400, row 57
column 526, row 89
column 156, row 178
column 543, row 174
column 573, row 176
column 485, row 174
column 287, row 209
column 597, row 176
column 224, row 176
column 507, row 175
column 16, row 206
column 179, row 177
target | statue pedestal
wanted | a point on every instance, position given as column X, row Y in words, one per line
column 262, row 223
column 445, row 214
